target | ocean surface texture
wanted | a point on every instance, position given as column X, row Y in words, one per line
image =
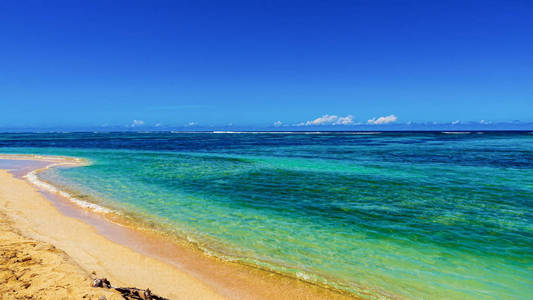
column 417, row 215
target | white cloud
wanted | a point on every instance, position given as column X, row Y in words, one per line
column 137, row 123
column 329, row 120
column 278, row 123
column 157, row 125
column 485, row 122
column 192, row 124
column 383, row 120
column 325, row 119
column 344, row 120
column 456, row 122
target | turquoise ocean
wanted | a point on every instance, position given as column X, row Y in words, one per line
column 421, row 215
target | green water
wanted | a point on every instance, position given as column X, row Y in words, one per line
column 418, row 215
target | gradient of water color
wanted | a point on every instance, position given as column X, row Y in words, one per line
column 419, row 215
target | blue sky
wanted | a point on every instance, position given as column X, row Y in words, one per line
column 264, row 64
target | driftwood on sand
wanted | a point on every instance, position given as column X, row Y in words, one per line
column 126, row 292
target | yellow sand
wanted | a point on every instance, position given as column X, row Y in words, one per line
column 31, row 269
column 31, row 266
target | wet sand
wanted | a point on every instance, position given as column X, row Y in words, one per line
column 132, row 257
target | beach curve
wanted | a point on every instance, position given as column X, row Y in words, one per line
column 253, row 284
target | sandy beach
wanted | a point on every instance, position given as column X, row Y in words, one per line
column 91, row 251
column 56, row 250
column 37, row 270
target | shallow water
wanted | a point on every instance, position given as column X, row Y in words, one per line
column 419, row 215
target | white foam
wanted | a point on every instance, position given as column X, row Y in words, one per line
column 303, row 276
column 190, row 239
column 274, row 132
column 456, row 132
column 34, row 179
column 208, row 252
column 366, row 132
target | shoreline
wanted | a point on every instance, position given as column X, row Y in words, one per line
column 226, row 279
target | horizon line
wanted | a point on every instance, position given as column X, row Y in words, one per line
column 267, row 131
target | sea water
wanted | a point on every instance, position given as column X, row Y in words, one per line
column 417, row 215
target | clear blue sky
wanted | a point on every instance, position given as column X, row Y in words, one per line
column 85, row 64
